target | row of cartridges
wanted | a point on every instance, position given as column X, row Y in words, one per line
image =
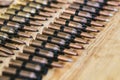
column 37, row 35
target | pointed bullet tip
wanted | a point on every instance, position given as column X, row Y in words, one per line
column 64, row 58
column 57, row 65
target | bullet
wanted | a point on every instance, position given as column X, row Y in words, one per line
column 38, row 17
column 66, row 45
column 89, row 10
column 51, row 46
column 111, row 8
column 25, row 14
column 23, row 34
column 21, row 20
column 5, row 50
column 71, row 29
column 16, row 40
column 52, row 39
column 95, row 4
column 9, row 45
column 36, row 59
column 56, row 5
column 76, row 45
column 85, row 8
column 43, row 1
column 21, row 26
column 53, row 64
column 113, row 3
column 10, row 38
column 40, row 5
column 62, row 28
column 82, row 20
column 64, row 35
column 46, row 53
column 63, row 58
column 76, row 25
column 106, row 13
column 70, row 52
column 87, row 15
column 84, row 34
column 33, row 50
column 30, row 10
column 11, row 31
column 57, row 33
column 11, row 27
column 59, row 41
column 28, row 66
column 7, row 29
column 109, row 2
column 44, row 44
column 21, row 73
column 2, row 54
column 89, row 3
column 80, row 40
column 26, row 21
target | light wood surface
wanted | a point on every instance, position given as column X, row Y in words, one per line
column 100, row 60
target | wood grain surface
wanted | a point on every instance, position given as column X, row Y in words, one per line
column 100, row 60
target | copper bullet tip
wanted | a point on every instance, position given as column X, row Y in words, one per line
column 102, row 18
column 64, row 58
column 113, row 3
column 80, row 40
column 23, row 34
column 76, row 46
column 39, row 18
column 106, row 13
column 98, row 24
column 87, row 35
column 56, row 64
column 31, row 28
column 70, row 52
column 17, row 40
column 92, row 29
column 37, row 23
